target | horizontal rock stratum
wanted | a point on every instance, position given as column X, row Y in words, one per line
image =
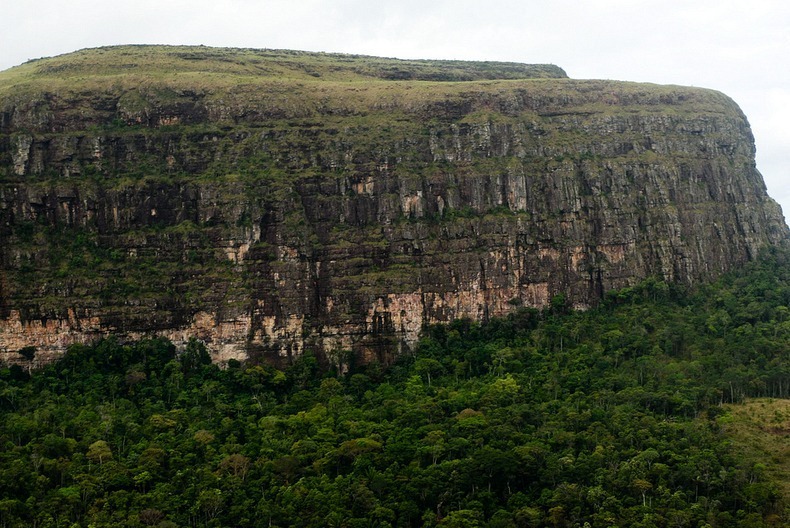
column 272, row 202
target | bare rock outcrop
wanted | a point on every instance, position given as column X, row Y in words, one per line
column 274, row 202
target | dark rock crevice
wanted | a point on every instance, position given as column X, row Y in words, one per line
column 344, row 215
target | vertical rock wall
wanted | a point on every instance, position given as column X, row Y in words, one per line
column 319, row 220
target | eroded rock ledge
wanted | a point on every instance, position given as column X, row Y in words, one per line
column 272, row 202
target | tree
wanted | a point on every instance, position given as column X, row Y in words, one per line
column 642, row 486
column 462, row 519
column 235, row 465
column 28, row 352
column 427, row 367
column 194, row 356
column 99, row 451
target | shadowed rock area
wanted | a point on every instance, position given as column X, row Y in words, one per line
column 272, row 202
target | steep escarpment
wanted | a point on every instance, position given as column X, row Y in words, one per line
column 271, row 202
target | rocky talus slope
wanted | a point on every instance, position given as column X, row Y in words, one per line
column 271, row 202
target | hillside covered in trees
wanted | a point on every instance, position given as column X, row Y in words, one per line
column 617, row 416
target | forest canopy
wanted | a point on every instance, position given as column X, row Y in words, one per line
column 615, row 416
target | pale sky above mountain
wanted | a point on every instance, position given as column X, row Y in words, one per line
column 737, row 47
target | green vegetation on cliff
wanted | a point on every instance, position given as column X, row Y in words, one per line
column 626, row 415
column 164, row 61
column 271, row 201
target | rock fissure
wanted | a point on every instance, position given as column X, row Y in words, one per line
column 343, row 212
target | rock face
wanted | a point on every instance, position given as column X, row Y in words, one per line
column 273, row 202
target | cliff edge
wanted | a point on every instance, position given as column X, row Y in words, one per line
column 269, row 202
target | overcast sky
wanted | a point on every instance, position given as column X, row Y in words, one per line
column 738, row 47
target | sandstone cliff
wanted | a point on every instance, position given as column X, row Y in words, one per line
column 270, row 202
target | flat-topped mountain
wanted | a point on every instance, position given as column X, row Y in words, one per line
column 272, row 202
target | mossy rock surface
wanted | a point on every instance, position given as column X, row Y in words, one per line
column 273, row 201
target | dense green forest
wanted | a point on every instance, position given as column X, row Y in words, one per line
column 610, row 417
